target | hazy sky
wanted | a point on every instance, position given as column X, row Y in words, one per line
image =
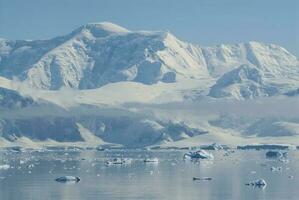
column 206, row 22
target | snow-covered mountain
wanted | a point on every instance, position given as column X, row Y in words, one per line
column 98, row 54
column 105, row 84
column 101, row 53
column 269, row 70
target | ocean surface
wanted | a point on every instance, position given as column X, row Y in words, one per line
column 32, row 175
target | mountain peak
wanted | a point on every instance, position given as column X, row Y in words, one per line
column 102, row 29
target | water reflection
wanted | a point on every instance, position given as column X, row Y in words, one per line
column 32, row 175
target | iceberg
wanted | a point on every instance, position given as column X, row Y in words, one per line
column 151, row 160
column 276, row 154
column 64, row 179
column 4, row 167
column 258, row 183
column 274, row 169
column 100, row 149
column 199, row 154
column 118, row 161
column 202, row 179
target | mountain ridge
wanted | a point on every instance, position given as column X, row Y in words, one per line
column 101, row 53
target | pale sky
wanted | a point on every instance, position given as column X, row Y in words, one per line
column 205, row 22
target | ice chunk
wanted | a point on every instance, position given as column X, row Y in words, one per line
column 274, row 169
column 200, row 154
column 4, row 167
column 64, row 179
column 258, row 183
column 202, row 179
column 151, row 160
column 22, row 162
column 118, row 161
column 100, row 149
column 276, row 154
column 30, row 166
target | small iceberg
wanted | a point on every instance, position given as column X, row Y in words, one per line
column 261, row 183
column 202, row 179
column 4, row 167
column 151, row 160
column 118, row 161
column 64, row 179
column 276, row 169
column 290, row 177
column 199, row 154
column 276, row 154
column 100, row 149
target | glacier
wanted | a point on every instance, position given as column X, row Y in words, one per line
column 103, row 84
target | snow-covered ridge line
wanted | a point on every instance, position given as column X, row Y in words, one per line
column 97, row 54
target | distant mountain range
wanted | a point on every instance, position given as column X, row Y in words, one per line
column 105, row 64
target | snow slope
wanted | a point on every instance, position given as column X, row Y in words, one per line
column 272, row 59
column 245, row 82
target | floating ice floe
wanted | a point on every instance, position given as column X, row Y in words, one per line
column 258, row 183
column 4, row 167
column 64, row 179
column 276, row 154
column 30, row 166
column 284, row 160
column 100, row 149
column 151, row 160
column 118, row 161
column 202, row 179
column 199, row 154
column 74, row 148
column 275, row 169
column 22, row 162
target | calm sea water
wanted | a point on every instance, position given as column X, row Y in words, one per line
column 32, row 174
